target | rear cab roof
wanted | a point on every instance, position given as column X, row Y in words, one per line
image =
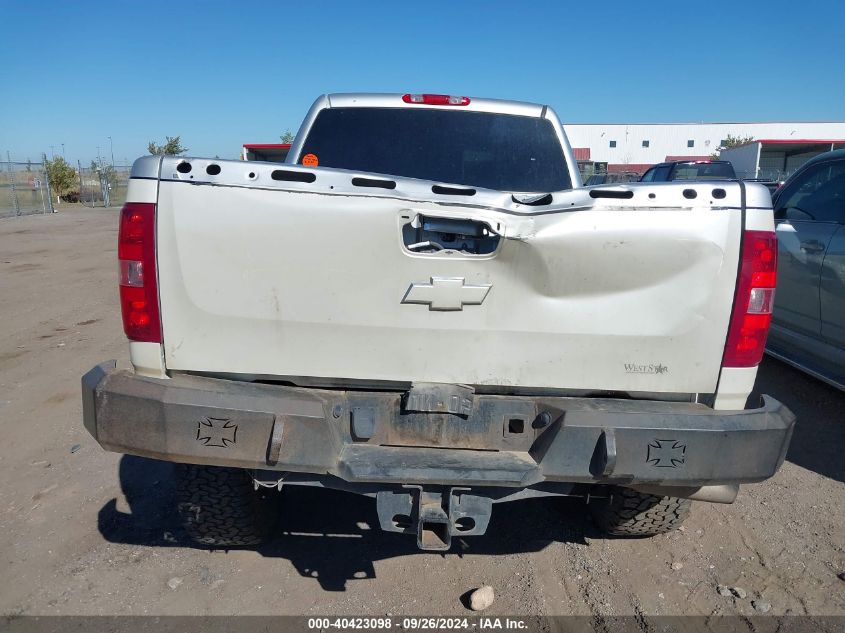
column 394, row 100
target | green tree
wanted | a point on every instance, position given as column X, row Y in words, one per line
column 61, row 175
column 287, row 137
column 730, row 142
column 172, row 146
column 107, row 171
column 736, row 141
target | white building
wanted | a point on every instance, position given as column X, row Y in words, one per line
column 636, row 146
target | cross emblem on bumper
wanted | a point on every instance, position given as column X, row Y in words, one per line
column 446, row 293
column 217, row 432
column 666, row 453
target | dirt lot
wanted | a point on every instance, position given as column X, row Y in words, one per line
column 83, row 531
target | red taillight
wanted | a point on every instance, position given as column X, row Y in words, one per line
column 442, row 100
column 136, row 253
column 755, row 296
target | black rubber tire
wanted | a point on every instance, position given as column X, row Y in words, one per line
column 631, row 513
column 220, row 507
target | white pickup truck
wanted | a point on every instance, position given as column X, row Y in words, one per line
column 424, row 305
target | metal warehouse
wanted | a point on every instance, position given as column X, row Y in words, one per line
column 633, row 147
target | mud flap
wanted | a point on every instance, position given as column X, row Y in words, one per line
column 433, row 515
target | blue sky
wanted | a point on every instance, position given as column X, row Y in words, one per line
column 224, row 73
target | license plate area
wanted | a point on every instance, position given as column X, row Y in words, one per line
column 453, row 416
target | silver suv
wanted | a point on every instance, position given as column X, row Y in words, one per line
column 808, row 323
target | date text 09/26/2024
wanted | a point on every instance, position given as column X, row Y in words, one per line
column 417, row 623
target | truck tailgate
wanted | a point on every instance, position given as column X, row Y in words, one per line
column 282, row 279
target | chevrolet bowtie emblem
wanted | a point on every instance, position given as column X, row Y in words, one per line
column 447, row 293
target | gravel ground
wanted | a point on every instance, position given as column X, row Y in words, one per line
column 83, row 531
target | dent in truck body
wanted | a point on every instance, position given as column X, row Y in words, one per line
column 623, row 292
column 603, row 283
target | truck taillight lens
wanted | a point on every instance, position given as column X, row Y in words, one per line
column 136, row 253
column 755, row 297
column 429, row 99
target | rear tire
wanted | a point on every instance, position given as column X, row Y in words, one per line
column 631, row 513
column 220, row 507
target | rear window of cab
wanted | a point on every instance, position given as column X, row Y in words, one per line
column 477, row 149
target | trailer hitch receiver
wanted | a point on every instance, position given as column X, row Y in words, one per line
column 433, row 514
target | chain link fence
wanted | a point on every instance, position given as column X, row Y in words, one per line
column 103, row 185
column 24, row 189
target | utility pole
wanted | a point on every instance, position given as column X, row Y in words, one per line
column 52, row 153
column 111, row 147
column 63, row 150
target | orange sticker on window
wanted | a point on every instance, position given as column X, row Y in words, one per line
column 310, row 160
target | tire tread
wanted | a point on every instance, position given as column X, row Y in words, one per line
column 632, row 513
column 220, row 507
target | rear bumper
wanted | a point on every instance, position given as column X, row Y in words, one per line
column 383, row 438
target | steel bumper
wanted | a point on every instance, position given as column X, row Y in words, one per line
column 433, row 435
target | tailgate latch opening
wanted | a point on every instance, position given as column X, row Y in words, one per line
column 426, row 234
